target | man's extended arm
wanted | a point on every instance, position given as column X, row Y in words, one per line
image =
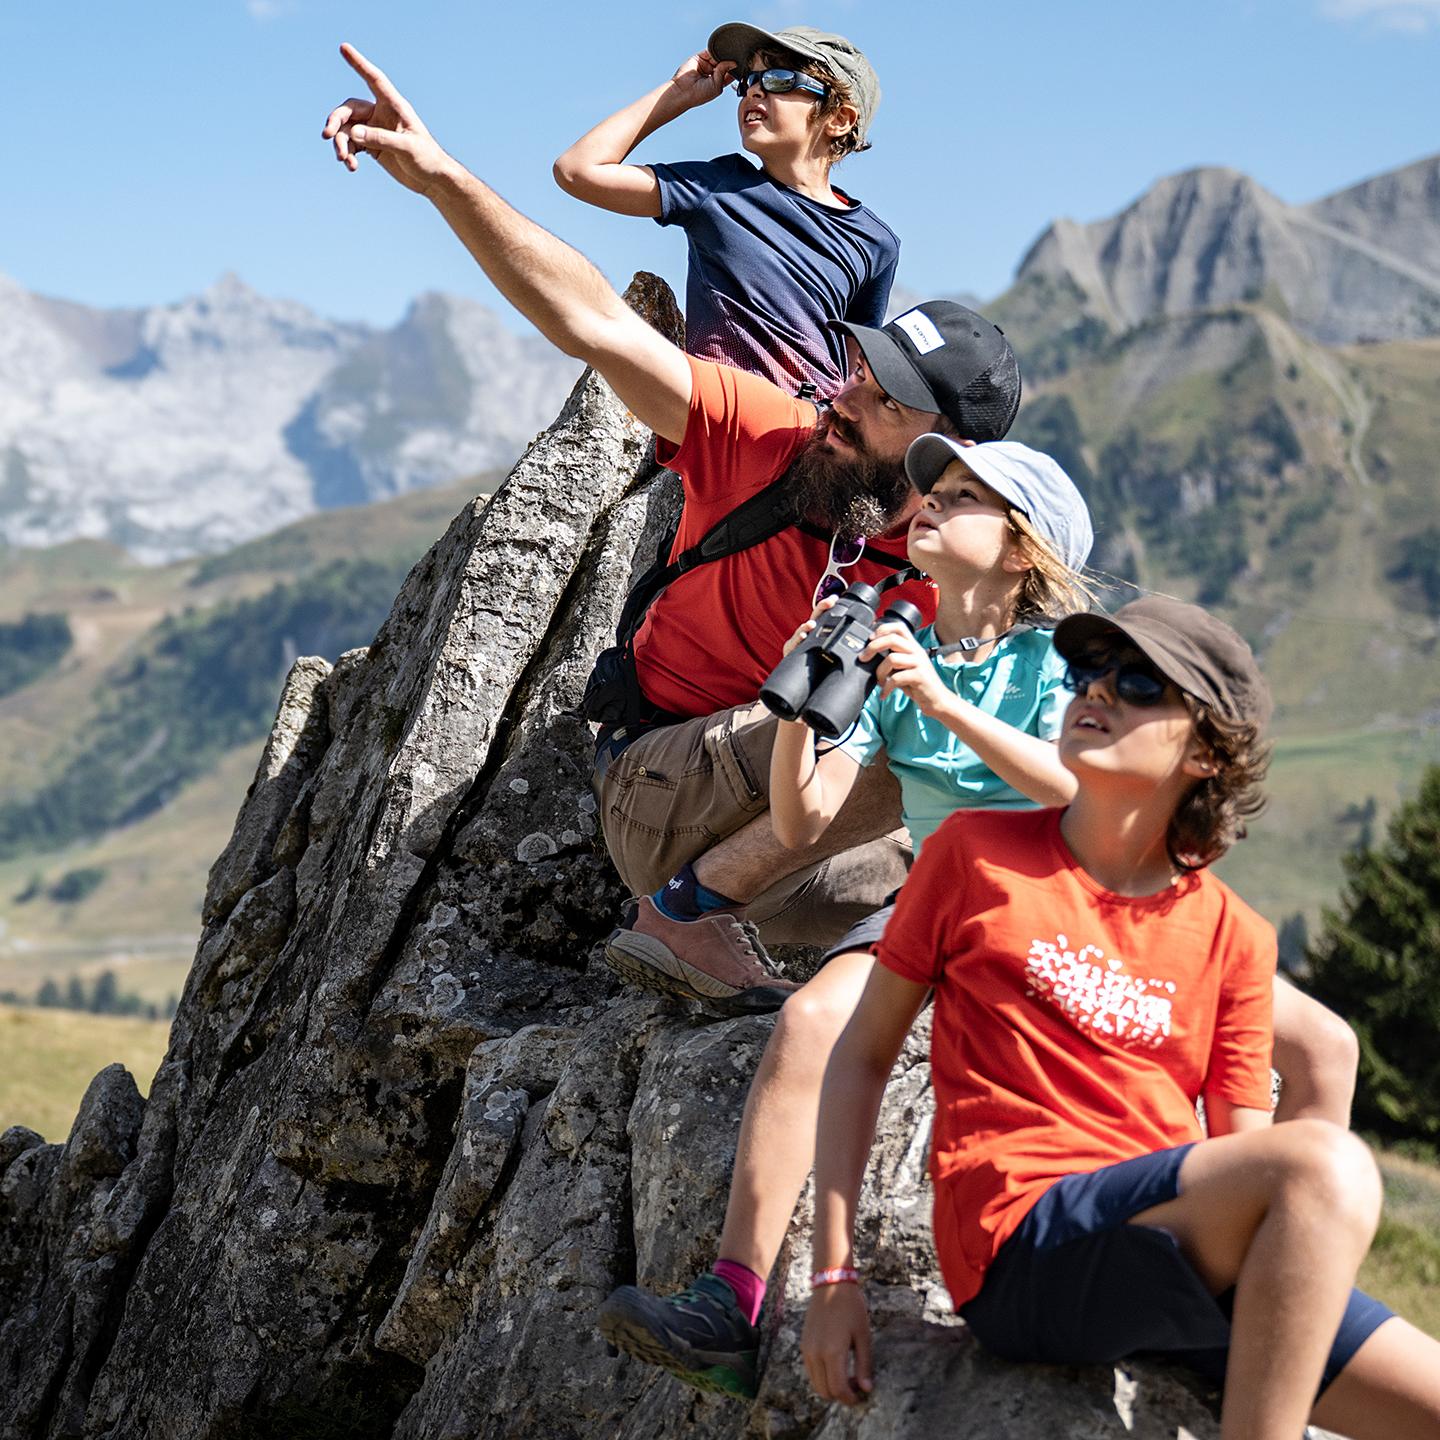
column 555, row 287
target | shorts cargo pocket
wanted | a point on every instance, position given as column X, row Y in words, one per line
column 643, row 799
column 740, row 745
column 653, row 824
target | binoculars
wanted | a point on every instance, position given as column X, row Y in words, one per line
column 822, row 681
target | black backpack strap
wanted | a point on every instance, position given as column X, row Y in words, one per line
column 755, row 520
column 764, row 515
column 613, row 694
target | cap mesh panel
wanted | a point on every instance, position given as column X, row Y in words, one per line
column 986, row 407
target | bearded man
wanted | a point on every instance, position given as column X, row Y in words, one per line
column 682, row 783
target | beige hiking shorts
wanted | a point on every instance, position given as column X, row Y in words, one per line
column 679, row 789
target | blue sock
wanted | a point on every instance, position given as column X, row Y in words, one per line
column 685, row 898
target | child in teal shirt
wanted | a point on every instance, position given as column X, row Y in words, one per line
column 1018, row 683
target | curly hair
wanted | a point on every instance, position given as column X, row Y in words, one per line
column 1212, row 815
column 837, row 95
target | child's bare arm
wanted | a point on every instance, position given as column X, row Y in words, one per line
column 1024, row 762
column 593, row 169
column 806, row 793
column 1224, row 1117
column 837, row 1325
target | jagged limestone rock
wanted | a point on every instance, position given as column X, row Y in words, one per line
column 410, row 1132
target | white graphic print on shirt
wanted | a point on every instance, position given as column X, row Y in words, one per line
column 1098, row 995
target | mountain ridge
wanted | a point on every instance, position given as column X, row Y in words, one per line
column 181, row 429
column 1361, row 264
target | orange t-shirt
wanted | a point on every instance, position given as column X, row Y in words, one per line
column 1074, row 1028
column 711, row 639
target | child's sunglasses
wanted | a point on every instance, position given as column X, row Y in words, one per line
column 1137, row 682
column 778, row 82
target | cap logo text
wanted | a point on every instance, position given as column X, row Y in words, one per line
column 921, row 330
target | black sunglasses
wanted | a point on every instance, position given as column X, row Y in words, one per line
column 778, row 82
column 1137, row 682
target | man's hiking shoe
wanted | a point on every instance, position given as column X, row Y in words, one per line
column 717, row 960
column 699, row 1335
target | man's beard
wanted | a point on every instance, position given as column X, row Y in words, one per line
column 856, row 494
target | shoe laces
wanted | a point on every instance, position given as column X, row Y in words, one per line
column 750, row 937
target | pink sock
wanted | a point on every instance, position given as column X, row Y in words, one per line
column 749, row 1288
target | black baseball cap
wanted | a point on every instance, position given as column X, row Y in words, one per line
column 1189, row 646
column 944, row 358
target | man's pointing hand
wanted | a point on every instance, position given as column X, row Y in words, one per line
column 386, row 128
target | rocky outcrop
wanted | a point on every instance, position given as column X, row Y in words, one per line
column 409, row 1131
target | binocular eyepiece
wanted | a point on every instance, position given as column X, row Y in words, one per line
column 823, row 681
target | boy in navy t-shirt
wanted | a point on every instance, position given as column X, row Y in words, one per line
column 777, row 252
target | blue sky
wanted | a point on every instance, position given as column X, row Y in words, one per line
column 155, row 146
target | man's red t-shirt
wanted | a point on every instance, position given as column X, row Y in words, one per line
column 1074, row 1028
column 713, row 637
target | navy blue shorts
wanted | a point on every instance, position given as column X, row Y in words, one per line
column 1077, row 1285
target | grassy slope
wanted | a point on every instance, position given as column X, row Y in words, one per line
column 1350, row 655
column 1353, row 661
column 49, row 1057
column 143, row 919
column 1403, row 1267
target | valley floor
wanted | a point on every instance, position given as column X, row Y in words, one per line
column 49, row 1057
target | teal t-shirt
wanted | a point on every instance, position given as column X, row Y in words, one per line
column 1019, row 683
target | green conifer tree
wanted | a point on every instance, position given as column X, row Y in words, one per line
column 1377, row 963
column 105, row 999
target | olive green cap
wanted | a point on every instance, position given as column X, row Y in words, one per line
column 844, row 60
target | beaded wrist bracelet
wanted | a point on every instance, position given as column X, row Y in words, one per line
column 840, row 1275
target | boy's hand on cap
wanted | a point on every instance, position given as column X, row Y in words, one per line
column 703, row 78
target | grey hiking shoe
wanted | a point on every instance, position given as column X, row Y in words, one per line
column 717, row 960
column 699, row 1335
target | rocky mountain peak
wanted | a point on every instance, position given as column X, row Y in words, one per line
column 231, row 319
column 1345, row 269
column 1398, row 211
column 194, row 425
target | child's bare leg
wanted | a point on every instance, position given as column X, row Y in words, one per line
column 1284, row 1214
column 1390, row 1390
column 1316, row 1054
column 777, row 1136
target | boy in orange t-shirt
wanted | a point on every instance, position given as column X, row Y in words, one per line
column 1093, row 980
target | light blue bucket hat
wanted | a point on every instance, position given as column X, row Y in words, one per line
column 1030, row 480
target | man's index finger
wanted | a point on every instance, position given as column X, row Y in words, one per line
column 381, row 86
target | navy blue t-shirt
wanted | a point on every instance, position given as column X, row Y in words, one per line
column 769, row 267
